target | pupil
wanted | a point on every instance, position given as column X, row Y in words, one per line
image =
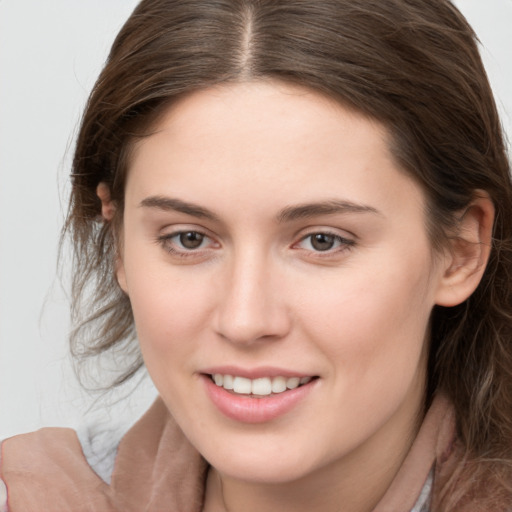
column 191, row 239
column 322, row 242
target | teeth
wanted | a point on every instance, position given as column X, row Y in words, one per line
column 242, row 385
column 263, row 386
column 228, row 382
column 292, row 382
column 278, row 384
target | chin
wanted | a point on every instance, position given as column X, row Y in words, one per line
column 263, row 473
column 272, row 466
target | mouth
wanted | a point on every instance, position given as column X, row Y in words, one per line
column 262, row 387
column 258, row 395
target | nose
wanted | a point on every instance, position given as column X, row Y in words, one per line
column 251, row 303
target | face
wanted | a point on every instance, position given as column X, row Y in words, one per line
column 281, row 279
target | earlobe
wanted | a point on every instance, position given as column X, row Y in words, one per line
column 107, row 205
column 468, row 252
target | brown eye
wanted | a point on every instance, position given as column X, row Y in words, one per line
column 187, row 244
column 191, row 239
column 322, row 241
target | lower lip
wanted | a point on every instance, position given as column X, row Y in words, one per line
column 247, row 409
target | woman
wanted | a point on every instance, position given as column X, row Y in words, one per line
column 302, row 212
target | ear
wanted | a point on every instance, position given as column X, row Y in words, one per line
column 107, row 205
column 468, row 252
column 108, row 209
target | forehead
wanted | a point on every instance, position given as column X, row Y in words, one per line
column 263, row 140
column 252, row 109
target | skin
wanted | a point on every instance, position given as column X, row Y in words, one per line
column 257, row 292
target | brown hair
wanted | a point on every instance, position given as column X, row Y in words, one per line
column 412, row 64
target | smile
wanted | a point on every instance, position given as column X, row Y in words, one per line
column 259, row 399
column 263, row 386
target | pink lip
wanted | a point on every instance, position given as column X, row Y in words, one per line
column 247, row 409
column 254, row 373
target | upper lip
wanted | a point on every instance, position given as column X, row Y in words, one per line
column 254, row 373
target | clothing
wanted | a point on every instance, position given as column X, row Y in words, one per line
column 157, row 470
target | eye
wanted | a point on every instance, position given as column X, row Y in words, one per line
column 186, row 242
column 190, row 239
column 324, row 242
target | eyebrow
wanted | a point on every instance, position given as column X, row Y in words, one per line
column 177, row 205
column 288, row 214
column 330, row 207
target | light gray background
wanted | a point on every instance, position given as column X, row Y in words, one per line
column 50, row 54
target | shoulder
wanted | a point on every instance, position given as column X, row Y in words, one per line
column 154, row 462
column 25, row 451
column 50, row 462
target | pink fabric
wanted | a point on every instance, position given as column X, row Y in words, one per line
column 157, row 469
column 434, row 440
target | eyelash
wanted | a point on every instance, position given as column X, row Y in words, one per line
column 166, row 242
column 343, row 244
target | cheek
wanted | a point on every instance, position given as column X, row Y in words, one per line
column 169, row 321
column 372, row 323
column 373, row 330
column 170, row 310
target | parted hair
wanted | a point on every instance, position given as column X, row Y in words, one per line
column 413, row 65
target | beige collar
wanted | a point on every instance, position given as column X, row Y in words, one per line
column 157, row 469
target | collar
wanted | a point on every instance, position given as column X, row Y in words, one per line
column 157, row 469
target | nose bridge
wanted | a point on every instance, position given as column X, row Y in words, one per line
column 250, row 306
